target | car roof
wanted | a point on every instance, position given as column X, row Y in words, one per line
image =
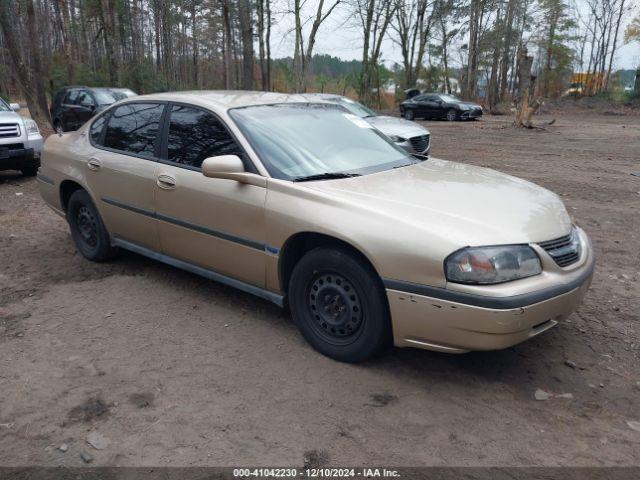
column 226, row 99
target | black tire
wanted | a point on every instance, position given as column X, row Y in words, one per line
column 409, row 114
column 29, row 171
column 87, row 229
column 57, row 126
column 452, row 115
column 339, row 304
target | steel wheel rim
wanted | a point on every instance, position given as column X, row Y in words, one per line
column 451, row 115
column 335, row 308
column 87, row 226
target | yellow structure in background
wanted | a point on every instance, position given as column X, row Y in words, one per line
column 586, row 83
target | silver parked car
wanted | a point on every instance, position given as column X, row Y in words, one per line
column 20, row 141
column 411, row 136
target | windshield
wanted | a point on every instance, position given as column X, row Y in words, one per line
column 298, row 140
column 356, row 108
column 103, row 97
column 449, row 98
column 3, row 106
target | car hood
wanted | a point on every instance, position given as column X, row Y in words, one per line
column 397, row 126
column 465, row 204
column 10, row 117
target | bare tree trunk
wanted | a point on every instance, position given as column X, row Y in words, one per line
column 472, row 62
column 227, row 44
column 246, row 28
column 615, row 44
column 260, row 7
column 268, row 42
column 33, row 85
column 194, row 40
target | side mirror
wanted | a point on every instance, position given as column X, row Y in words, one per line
column 230, row 167
column 15, row 107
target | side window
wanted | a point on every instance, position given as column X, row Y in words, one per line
column 195, row 134
column 95, row 132
column 84, row 99
column 133, row 128
column 71, row 97
column 421, row 98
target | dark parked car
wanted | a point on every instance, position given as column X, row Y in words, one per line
column 439, row 105
column 73, row 106
column 122, row 93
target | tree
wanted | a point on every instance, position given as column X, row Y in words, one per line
column 526, row 104
column 246, row 29
column 412, row 25
column 302, row 55
column 31, row 80
column 375, row 17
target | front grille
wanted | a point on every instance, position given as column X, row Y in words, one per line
column 420, row 144
column 564, row 250
column 9, row 130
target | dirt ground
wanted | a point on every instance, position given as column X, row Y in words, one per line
column 171, row 369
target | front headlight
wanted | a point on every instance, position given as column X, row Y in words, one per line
column 397, row 139
column 487, row 265
column 31, row 127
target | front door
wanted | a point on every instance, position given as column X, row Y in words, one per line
column 211, row 223
column 122, row 168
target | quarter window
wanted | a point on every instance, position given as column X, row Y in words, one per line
column 95, row 132
column 195, row 134
column 133, row 128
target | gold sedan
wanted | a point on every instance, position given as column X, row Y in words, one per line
column 309, row 206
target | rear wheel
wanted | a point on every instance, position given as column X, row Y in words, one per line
column 409, row 114
column 452, row 115
column 339, row 305
column 87, row 230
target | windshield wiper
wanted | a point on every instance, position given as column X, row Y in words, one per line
column 325, row 176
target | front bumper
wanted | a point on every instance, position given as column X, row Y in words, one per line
column 475, row 113
column 16, row 159
column 459, row 324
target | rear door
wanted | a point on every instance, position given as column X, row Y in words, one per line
column 68, row 110
column 85, row 108
column 431, row 105
column 213, row 223
column 421, row 110
column 121, row 170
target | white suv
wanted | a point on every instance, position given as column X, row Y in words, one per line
column 20, row 141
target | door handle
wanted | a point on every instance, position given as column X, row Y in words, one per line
column 167, row 182
column 94, row 164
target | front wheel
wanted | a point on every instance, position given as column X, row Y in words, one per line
column 409, row 114
column 87, row 230
column 452, row 115
column 339, row 304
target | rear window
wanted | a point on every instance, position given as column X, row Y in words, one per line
column 133, row 128
column 103, row 97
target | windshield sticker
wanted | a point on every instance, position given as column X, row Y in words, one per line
column 357, row 120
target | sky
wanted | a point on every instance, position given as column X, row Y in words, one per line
column 340, row 37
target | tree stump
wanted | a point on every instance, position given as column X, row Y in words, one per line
column 526, row 104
